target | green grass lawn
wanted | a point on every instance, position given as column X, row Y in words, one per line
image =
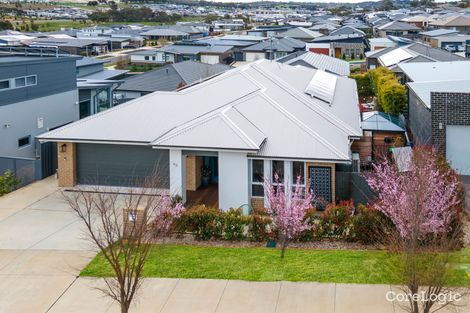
column 263, row 264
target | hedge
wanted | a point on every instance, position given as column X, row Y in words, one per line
column 337, row 222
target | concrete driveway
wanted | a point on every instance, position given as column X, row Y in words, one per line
column 41, row 250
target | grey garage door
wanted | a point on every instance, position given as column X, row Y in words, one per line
column 120, row 165
column 458, row 147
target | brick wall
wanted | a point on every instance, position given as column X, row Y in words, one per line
column 257, row 203
column 448, row 109
column 193, row 172
column 133, row 221
column 67, row 165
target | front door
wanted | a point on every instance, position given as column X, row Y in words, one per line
column 338, row 53
column 319, row 178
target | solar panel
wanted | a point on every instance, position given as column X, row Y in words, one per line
column 395, row 57
column 322, row 86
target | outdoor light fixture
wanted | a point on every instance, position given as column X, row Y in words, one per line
column 63, row 148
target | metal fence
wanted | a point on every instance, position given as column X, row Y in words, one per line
column 27, row 170
column 351, row 185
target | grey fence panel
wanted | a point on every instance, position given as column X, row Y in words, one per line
column 351, row 185
column 27, row 170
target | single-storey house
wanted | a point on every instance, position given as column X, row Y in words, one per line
column 396, row 28
column 273, row 48
column 300, row 33
column 348, row 45
column 249, row 123
column 317, row 61
column 166, row 78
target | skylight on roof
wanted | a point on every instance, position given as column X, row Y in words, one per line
column 322, row 86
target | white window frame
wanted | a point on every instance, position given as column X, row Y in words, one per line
column 12, row 82
column 255, row 182
column 9, row 84
column 293, row 181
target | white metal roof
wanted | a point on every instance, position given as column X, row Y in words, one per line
column 260, row 108
column 423, row 89
column 436, row 71
column 395, row 56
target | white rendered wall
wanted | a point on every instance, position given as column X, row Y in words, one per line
column 233, row 180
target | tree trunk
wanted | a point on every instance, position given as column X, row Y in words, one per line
column 124, row 307
column 283, row 248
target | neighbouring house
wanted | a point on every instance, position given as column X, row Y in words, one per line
column 228, row 25
column 349, row 46
column 85, row 47
column 439, row 108
column 273, row 48
column 381, row 131
column 237, row 42
column 399, row 29
column 300, row 33
column 324, row 28
column 268, row 30
column 249, row 123
column 96, row 86
column 460, row 23
column 186, row 50
column 317, row 61
column 411, row 53
column 165, row 34
column 167, row 78
column 430, row 35
column 38, row 93
column 380, row 43
column 420, row 20
column 347, row 30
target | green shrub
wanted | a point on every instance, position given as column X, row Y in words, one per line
column 8, row 182
column 312, row 219
column 205, row 223
column 336, row 221
column 368, row 225
column 364, row 85
column 234, row 224
column 259, row 227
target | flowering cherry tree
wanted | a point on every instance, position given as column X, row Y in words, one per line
column 421, row 198
column 418, row 200
column 287, row 208
column 166, row 212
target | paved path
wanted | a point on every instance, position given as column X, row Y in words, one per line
column 41, row 254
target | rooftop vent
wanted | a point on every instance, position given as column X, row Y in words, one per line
column 322, row 86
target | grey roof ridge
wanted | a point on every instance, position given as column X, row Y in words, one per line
column 178, row 71
column 304, row 127
column 204, row 118
column 200, row 117
column 301, row 97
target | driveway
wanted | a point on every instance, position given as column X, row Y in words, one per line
column 41, row 250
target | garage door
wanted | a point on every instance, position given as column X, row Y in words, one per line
column 254, row 56
column 120, row 165
column 458, row 148
column 209, row 59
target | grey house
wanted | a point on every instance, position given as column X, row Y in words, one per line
column 167, row 78
column 439, row 109
column 37, row 94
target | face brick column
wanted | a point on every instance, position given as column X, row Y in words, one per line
column 66, row 157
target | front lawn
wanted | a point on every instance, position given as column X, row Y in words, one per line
column 263, row 264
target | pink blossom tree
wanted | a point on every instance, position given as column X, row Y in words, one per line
column 287, row 208
column 421, row 198
column 166, row 212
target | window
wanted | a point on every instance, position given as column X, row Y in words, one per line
column 30, row 80
column 147, row 58
column 20, row 82
column 4, row 84
column 102, row 100
column 24, row 141
column 257, row 178
column 298, row 170
column 278, row 169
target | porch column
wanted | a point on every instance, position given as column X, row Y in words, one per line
column 177, row 174
column 233, row 180
column 267, row 175
column 287, row 174
column 67, row 165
